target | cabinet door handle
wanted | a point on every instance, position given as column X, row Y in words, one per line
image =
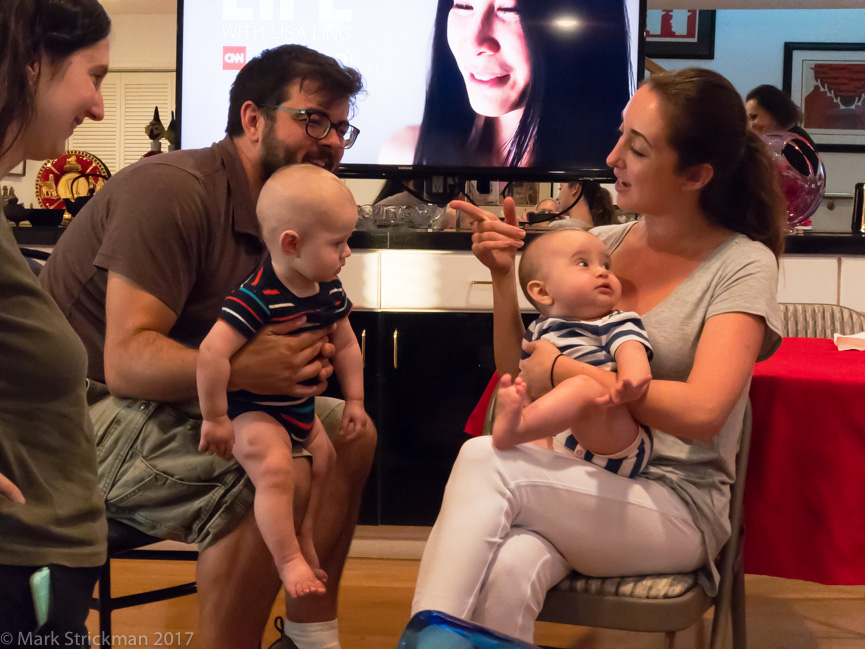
column 363, row 348
column 395, row 334
column 481, row 281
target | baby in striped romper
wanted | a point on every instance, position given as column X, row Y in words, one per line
column 306, row 215
column 566, row 276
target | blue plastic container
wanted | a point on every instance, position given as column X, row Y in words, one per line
column 436, row 630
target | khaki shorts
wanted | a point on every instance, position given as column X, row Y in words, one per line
column 153, row 476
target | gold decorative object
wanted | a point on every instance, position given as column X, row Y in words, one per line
column 74, row 174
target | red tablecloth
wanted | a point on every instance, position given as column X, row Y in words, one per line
column 805, row 489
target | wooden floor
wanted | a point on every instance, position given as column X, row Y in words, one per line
column 376, row 596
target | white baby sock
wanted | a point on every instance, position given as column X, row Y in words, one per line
column 313, row 635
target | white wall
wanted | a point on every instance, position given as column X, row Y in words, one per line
column 364, row 190
column 749, row 50
column 143, row 41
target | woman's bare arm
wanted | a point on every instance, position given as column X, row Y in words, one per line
column 724, row 363
column 495, row 244
column 693, row 409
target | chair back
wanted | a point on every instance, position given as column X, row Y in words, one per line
column 819, row 320
column 732, row 565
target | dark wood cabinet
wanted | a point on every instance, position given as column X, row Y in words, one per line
column 424, row 373
column 434, row 368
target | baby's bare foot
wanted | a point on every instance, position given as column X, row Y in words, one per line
column 509, row 408
column 299, row 579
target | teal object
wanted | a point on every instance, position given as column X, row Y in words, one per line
column 40, row 587
column 437, row 630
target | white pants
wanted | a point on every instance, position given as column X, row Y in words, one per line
column 513, row 524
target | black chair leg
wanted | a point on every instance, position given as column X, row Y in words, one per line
column 737, row 610
column 105, row 606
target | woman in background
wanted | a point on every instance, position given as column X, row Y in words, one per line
column 53, row 57
column 542, row 214
column 520, row 83
column 586, row 202
column 769, row 109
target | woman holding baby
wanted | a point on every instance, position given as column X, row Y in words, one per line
column 700, row 268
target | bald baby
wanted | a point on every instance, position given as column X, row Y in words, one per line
column 566, row 273
column 307, row 216
column 301, row 198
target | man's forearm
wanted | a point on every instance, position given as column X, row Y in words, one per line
column 151, row 366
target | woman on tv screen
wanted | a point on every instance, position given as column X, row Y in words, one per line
column 528, row 83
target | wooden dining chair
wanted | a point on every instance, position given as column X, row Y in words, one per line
column 819, row 320
column 126, row 542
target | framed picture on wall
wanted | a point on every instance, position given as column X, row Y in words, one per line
column 680, row 34
column 17, row 170
column 827, row 81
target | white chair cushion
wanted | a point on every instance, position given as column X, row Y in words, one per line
column 644, row 587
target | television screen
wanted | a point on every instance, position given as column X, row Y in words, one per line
column 522, row 89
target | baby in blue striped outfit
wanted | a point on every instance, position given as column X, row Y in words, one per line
column 566, row 276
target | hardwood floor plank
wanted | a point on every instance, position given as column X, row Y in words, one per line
column 375, row 603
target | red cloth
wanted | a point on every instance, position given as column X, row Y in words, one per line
column 475, row 423
column 805, row 488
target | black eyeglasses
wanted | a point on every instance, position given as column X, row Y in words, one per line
column 318, row 125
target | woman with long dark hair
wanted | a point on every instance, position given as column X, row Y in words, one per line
column 53, row 57
column 700, row 268
column 769, row 109
column 521, row 83
column 587, row 203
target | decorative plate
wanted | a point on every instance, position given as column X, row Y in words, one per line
column 74, row 174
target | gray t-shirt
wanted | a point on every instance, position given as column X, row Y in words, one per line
column 741, row 276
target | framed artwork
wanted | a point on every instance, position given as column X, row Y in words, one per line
column 680, row 34
column 827, row 81
column 17, row 170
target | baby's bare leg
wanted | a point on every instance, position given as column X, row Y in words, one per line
column 323, row 457
column 605, row 430
column 263, row 447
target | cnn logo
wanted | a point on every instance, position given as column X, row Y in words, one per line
column 233, row 57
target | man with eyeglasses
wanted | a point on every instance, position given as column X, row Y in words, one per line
column 141, row 274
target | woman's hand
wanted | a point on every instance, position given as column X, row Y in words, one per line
column 10, row 491
column 494, row 243
column 535, row 370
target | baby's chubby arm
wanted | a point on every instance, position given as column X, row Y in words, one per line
column 212, row 372
column 348, row 367
column 633, row 374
